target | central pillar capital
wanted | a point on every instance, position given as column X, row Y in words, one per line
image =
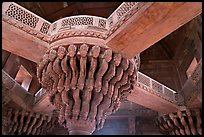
column 85, row 79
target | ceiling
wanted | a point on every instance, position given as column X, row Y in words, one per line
column 52, row 11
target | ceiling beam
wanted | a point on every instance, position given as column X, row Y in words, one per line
column 150, row 24
column 21, row 43
column 151, row 101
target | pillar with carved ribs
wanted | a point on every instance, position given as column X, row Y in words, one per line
column 186, row 122
column 86, row 83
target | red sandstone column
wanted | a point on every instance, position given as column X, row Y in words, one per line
column 86, row 84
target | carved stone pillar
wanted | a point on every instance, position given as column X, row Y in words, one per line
column 85, row 82
column 21, row 122
column 186, row 122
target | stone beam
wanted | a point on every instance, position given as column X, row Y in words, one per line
column 149, row 100
column 154, row 95
column 148, row 23
column 21, row 43
column 16, row 93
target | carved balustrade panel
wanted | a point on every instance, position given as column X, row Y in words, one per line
column 158, row 89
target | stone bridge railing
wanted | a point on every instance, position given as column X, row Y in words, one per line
column 26, row 17
column 25, row 20
column 154, row 87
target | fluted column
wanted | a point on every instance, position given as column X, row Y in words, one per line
column 86, row 83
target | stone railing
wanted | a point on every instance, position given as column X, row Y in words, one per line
column 156, row 88
column 120, row 12
column 26, row 17
column 78, row 22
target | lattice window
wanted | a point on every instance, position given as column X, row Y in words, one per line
column 168, row 92
column 22, row 16
column 144, row 80
column 125, row 8
column 77, row 21
column 45, row 27
column 156, row 86
column 102, row 23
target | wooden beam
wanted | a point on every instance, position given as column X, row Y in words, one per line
column 150, row 24
column 21, row 43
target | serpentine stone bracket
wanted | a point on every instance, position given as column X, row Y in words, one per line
column 22, row 122
column 186, row 122
column 86, row 83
